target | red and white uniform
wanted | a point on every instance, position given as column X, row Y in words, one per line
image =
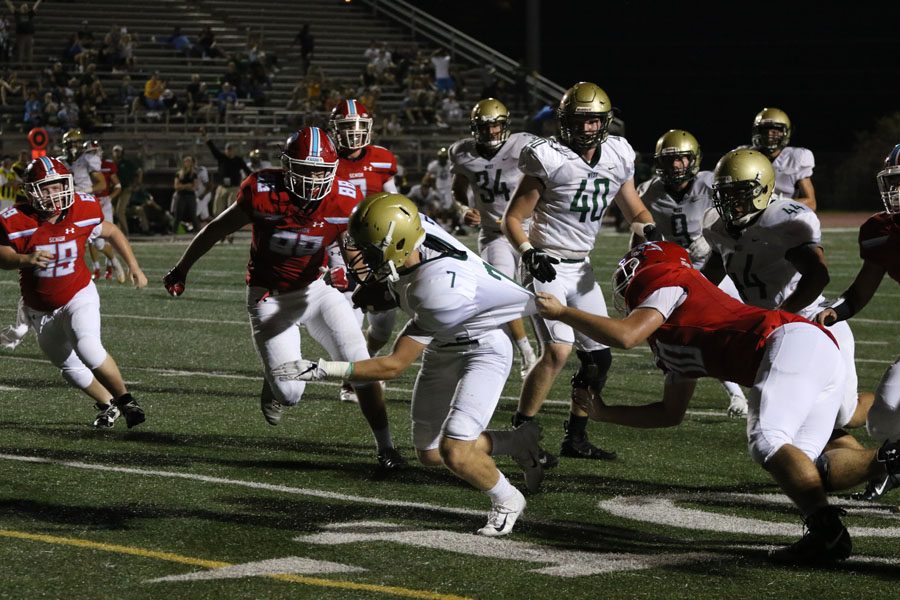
column 52, row 287
column 879, row 243
column 107, row 168
column 284, row 276
column 372, row 171
column 793, row 365
column 60, row 301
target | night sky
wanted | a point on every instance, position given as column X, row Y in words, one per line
column 697, row 66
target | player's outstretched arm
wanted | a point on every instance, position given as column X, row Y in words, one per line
column 620, row 333
column 669, row 412
column 634, row 211
column 406, row 351
column 229, row 221
column 12, row 260
column 120, row 244
column 856, row 297
column 519, row 209
column 459, row 188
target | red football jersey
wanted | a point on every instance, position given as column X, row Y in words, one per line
column 711, row 334
column 49, row 288
column 370, row 171
column 879, row 242
column 289, row 246
column 108, row 168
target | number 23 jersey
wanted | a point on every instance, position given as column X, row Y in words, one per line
column 51, row 287
column 289, row 245
column 567, row 217
column 493, row 180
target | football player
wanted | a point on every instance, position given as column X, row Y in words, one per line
column 568, row 184
column 440, row 170
column 793, row 165
column 371, row 168
column 297, row 212
column 457, row 304
column 678, row 196
column 44, row 240
column 793, row 367
column 488, row 164
column 772, row 250
column 879, row 248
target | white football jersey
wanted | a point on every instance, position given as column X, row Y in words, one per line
column 755, row 261
column 679, row 221
column 456, row 297
column 493, row 180
column 792, row 165
column 84, row 165
column 567, row 217
column 442, row 179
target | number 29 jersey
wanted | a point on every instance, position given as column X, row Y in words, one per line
column 756, row 261
column 46, row 289
column 493, row 180
column 289, row 245
column 567, row 217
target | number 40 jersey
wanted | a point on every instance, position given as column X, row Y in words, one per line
column 567, row 218
column 493, row 180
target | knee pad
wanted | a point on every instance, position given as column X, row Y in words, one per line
column 99, row 243
column 593, row 370
column 762, row 446
column 90, row 351
column 77, row 376
column 824, row 469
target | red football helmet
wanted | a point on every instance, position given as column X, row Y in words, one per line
column 92, row 146
column 350, row 125
column 49, row 185
column 641, row 256
column 310, row 162
column 889, row 181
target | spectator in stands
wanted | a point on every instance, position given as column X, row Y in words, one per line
column 151, row 216
column 131, row 175
column 206, row 44
column 232, row 170
column 197, row 96
column 152, row 96
column 69, row 113
column 440, row 60
column 9, row 183
column 51, row 108
column 391, row 126
column 184, row 199
column 126, row 51
column 226, row 99
column 24, row 18
column 451, row 110
column 411, row 106
column 128, row 93
column 307, row 48
column 9, row 85
column 203, row 190
column 57, row 75
column 232, row 76
column 34, row 111
column 180, row 42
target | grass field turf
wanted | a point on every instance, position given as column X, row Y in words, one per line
column 205, row 483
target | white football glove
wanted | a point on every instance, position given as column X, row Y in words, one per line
column 699, row 250
column 300, row 370
column 738, row 408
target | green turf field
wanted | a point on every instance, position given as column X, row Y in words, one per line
column 205, row 500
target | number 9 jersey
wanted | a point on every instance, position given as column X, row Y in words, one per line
column 289, row 245
column 567, row 218
column 46, row 289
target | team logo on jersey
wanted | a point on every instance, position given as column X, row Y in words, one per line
column 70, row 230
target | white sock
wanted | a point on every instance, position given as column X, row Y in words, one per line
column 733, row 389
column 502, row 490
column 96, row 265
column 383, row 438
column 524, row 347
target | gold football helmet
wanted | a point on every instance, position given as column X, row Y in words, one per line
column 775, row 120
column 384, row 229
column 672, row 145
column 72, row 141
column 486, row 114
column 743, row 183
column 581, row 102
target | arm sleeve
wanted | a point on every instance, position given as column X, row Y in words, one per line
column 416, row 333
column 807, row 162
column 665, row 300
column 803, row 229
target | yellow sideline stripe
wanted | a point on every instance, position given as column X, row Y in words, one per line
column 215, row 564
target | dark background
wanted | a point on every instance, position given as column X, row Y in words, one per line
column 709, row 67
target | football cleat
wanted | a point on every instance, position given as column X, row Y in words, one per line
column 390, row 460
column 12, row 336
column 504, row 515
column 118, row 270
column 271, row 408
column 129, row 407
column 109, row 273
column 527, row 454
column 825, row 540
column 577, row 445
column 737, row 409
column 889, row 454
column 106, row 415
column 96, row 274
column 348, row 394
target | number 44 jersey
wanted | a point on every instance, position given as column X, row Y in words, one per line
column 46, row 289
column 493, row 180
column 567, row 218
column 289, row 244
column 755, row 260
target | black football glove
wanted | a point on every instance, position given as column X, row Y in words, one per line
column 651, row 233
column 175, row 281
column 540, row 264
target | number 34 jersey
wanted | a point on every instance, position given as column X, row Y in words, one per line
column 46, row 289
column 756, row 259
column 567, row 218
column 493, row 180
column 289, row 245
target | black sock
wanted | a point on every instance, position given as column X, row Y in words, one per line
column 519, row 418
column 577, row 425
column 123, row 399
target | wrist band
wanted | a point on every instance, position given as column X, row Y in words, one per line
column 525, row 247
column 843, row 308
column 638, row 228
column 337, row 368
